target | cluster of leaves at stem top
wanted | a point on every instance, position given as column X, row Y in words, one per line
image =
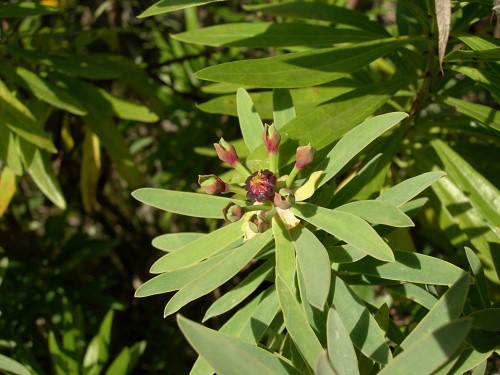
column 319, row 234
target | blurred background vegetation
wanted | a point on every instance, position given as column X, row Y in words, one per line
column 95, row 102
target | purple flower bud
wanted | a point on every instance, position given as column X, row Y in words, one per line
column 226, row 152
column 232, row 212
column 212, row 184
column 304, row 155
column 260, row 186
column 271, row 138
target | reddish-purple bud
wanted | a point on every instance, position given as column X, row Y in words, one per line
column 304, row 155
column 271, row 138
column 212, row 184
column 232, row 212
column 260, row 186
column 226, row 152
column 284, row 199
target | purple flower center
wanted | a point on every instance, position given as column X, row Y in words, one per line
column 260, row 186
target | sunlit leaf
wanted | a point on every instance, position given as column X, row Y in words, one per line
column 12, row 366
column 250, row 122
column 165, row 6
column 340, row 349
column 378, row 212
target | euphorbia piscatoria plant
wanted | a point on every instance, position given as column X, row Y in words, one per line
column 314, row 240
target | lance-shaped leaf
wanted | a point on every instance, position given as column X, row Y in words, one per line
column 362, row 327
column 479, row 278
column 250, row 122
column 7, row 188
column 314, row 263
column 414, row 293
column 483, row 195
column 448, row 308
column 172, row 241
column 346, row 227
column 240, row 291
column 12, row 366
column 467, row 360
column 409, row 267
column 285, row 253
column 485, row 115
column 184, row 203
column 340, row 349
column 378, row 212
column 166, row 6
column 406, row 190
column 283, row 108
column 301, row 69
column 24, row 10
column 486, row 319
column 178, row 278
column 432, row 351
column 228, row 355
column 219, row 274
column 297, row 325
column 323, row 366
column 199, row 249
column 273, row 35
column 355, row 141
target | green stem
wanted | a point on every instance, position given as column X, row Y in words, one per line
column 258, row 207
column 273, row 163
column 242, row 169
column 236, row 190
column 291, row 176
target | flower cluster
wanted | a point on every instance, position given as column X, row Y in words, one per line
column 269, row 193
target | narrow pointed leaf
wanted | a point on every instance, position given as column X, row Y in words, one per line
column 219, row 274
column 228, row 355
column 7, row 188
column 340, row 349
column 408, row 267
column 250, row 122
column 448, row 308
column 166, row 6
column 408, row 189
column 430, row 352
column 362, row 327
column 346, row 227
column 485, row 115
column 12, row 366
column 24, row 10
column 323, row 366
column 314, row 263
column 183, row 203
column 297, row 326
column 443, row 18
column 414, row 293
column 301, row 69
column 355, row 141
column 199, row 249
column 378, row 212
column 241, row 291
column 283, row 108
column 285, row 253
column 172, row 241
column 479, row 278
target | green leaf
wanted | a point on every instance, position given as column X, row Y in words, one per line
column 408, row 189
column 228, row 355
column 219, row 274
column 408, row 267
column 297, row 325
column 483, row 195
column 285, row 253
column 346, row 227
column 378, row 212
column 241, row 291
column 262, row 308
column 39, row 167
column 125, row 362
column 250, row 122
column 320, row 11
column 166, row 6
column 128, row 110
column 355, row 141
column 345, row 254
column 24, row 10
column 172, row 241
column 467, row 360
column 323, row 366
column 199, row 249
column 492, row 54
column 48, row 92
column 362, row 327
column 97, row 353
column 485, row 77
column 283, row 108
column 9, row 364
column 486, row 319
column 414, row 293
column 485, row 115
column 8, row 183
column 479, row 278
column 314, row 264
column 340, row 349
column 15, row 116
column 178, row 278
column 301, row 69
column 190, row 204
column 448, row 308
column 429, row 353
column 273, row 35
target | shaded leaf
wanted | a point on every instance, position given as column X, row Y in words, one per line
column 9, row 364
column 340, row 349
column 91, row 167
column 165, row 6
column 485, row 115
column 283, row 107
column 443, row 18
column 378, row 212
column 8, row 183
column 479, row 278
